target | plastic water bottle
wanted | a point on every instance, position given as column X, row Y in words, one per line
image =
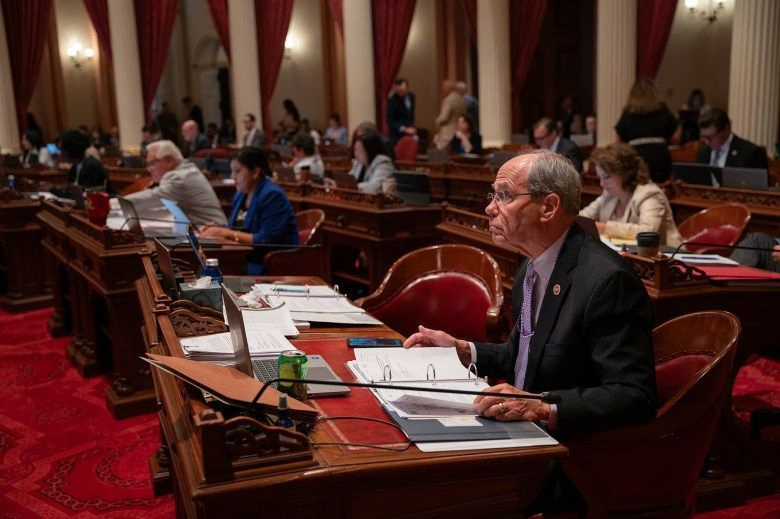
column 212, row 270
column 11, row 182
column 283, row 419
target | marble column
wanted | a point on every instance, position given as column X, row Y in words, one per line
column 359, row 63
column 9, row 129
column 495, row 83
column 754, row 76
column 244, row 65
column 127, row 74
column 615, row 62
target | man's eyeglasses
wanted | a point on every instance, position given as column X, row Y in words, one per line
column 503, row 197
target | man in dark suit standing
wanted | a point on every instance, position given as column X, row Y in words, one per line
column 400, row 111
column 722, row 148
column 584, row 325
column 193, row 112
column 546, row 136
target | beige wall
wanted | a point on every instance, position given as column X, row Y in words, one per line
column 697, row 55
column 419, row 64
column 301, row 77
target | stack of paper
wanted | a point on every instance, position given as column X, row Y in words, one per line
column 218, row 347
column 314, row 303
column 417, row 367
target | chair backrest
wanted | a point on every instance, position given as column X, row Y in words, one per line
column 455, row 288
column 652, row 469
column 721, row 224
column 406, row 148
column 309, row 224
column 300, row 262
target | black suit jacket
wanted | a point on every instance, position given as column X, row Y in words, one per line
column 741, row 154
column 592, row 343
column 92, row 174
column 571, row 151
column 398, row 115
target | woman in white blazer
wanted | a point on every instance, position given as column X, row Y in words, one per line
column 371, row 166
column 629, row 203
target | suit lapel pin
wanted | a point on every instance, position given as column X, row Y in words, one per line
column 556, row 289
column 733, row 153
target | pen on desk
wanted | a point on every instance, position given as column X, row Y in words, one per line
column 291, row 290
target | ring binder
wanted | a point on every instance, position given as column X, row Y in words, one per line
column 430, row 376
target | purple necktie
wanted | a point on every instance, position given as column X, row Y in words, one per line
column 525, row 325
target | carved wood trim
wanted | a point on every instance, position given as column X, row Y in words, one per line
column 188, row 324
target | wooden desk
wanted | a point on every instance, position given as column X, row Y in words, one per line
column 210, row 480
column 22, row 259
column 35, row 175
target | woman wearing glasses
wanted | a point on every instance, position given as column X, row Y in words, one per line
column 630, row 202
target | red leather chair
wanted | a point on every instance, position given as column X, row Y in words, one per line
column 406, row 148
column 300, row 262
column 721, row 224
column 455, row 288
column 652, row 469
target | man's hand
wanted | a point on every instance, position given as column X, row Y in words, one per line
column 212, row 231
column 776, row 253
column 427, row 337
column 509, row 409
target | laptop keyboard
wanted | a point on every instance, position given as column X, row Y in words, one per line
column 265, row 369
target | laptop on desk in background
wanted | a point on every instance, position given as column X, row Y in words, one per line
column 236, row 283
column 437, row 155
column 345, row 181
column 265, row 369
column 746, row 178
column 285, row 174
column 413, row 187
column 133, row 222
column 701, row 174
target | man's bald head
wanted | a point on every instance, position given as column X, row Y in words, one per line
column 461, row 87
column 189, row 129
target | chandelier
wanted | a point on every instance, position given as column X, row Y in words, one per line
column 709, row 13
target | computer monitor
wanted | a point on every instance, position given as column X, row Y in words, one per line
column 746, row 178
column 701, row 174
column 166, row 269
column 413, row 187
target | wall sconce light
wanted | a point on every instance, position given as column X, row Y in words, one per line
column 79, row 55
column 289, row 44
column 709, row 14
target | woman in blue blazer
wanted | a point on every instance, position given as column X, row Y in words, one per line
column 261, row 212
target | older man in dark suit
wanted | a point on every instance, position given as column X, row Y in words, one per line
column 547, row 136
column 722, row 148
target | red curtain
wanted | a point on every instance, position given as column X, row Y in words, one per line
column 98, row 13
column 654, row 22
column 273, row 21
column 470, row 6
column 391, row 20
column 154, row 21
column 219, row 14
column 337, row 11
column 526, row 21
column 26, row 29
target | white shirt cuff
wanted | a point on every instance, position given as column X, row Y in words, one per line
column 473, row 352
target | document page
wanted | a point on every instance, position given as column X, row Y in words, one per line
column 269, row 320
column 220, row 345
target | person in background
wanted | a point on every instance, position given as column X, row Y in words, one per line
column 114, row 140
column 227, row 132
column 261, row 212
column 368, row 127
column 193, row 139
column 466, row 139
column 689, row 115
column 148, row 135
column 764, row 252
column 85, row 171
column 306, row 128
column 370, row 166
column 336, row 133
column 723, row 148
column 99, row 139
column 696, row 102
column 590, row 128
column 630, row 202
column 400, row 111
column 452, row 107
column 32, row 124
column 546, row 136
column 179, row 180
column 168, row 124
column 254, row 136
column 569, row 120
column 472, row 105
column 33, row 151
column 193, row 111
column 305, row 155
column 647, row 125
column 212, row 134
column 290, row 123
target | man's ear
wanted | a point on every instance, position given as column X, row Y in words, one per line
column 550, row 206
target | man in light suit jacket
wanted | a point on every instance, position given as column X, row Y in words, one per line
column 546, row 135
column 254, row 136
column 452, row 106
column 586, row 317
column 722, row 148
column 181, row 181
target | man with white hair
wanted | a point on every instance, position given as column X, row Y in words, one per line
column 181, row 181
column 194, row 140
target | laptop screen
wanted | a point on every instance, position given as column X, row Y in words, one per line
column 745, row 178
column 131, row 216
column 413, row 188
column 166, row 269
column 237, row 331
column 180, row 220
column 701, row 174
column 196, row 248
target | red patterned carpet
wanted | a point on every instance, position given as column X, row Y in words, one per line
column 63, row 455
column 61, row 452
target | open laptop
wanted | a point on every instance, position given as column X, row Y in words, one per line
column 265, row 369
column 500, row 157
column 168, row 279
column 437, row 155
column 746, row 178
column 134, row 222
column 413, row 187
column 345, row 181
column 237, row 283
column 285, row 174
column 701, row 174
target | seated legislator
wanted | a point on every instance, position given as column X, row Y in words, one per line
column 630, row 202
column 466, row 139
column 584, row 325
column 261, row 212
column 370, row 166
column 181, row 181
column 193, row 139
column 304, row 153
column 335, row 133
column 722, row 148
column 86, row 170
column 764, row 252
column 547, row 136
